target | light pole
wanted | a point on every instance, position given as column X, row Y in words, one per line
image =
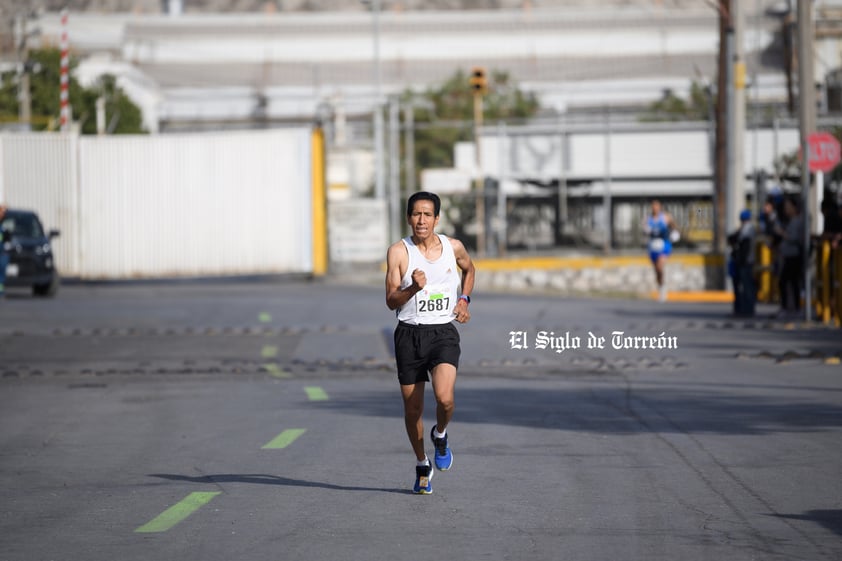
column 729, row 189
column 807, row 125
column 25, row 109
column 379, row 182
column 26, row 68
column 394, row 168
column 479, row 87
column 737, row 122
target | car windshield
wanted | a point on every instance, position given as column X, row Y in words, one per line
column 23, row 226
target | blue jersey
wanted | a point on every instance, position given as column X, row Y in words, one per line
column 659, row 235
column 658, row 227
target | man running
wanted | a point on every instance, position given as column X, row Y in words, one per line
column 658, row 227
column 427, row 292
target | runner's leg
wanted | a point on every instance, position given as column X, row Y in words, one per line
column 413, row 409
column 444, row 384
column 659, row 269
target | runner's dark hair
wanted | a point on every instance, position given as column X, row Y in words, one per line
column 423, row 196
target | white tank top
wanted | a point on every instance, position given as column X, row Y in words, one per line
column 434, row 303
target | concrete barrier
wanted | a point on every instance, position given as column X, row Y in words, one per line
column 597, row 274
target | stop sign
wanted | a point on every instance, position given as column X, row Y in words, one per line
column 824, row 151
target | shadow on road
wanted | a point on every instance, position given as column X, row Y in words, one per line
column 618, row 410
column 830, row 519
column 777, row 331
column 264, row 479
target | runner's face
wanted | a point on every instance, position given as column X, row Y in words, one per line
column 423, row 219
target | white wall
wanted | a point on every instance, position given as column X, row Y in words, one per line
column 633, row 154
column 40, row 172
column 358, row 230
column 168, row 206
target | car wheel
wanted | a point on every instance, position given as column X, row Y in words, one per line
column 47, row 290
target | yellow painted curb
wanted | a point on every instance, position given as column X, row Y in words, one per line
column 595, row 262
column 702, row 296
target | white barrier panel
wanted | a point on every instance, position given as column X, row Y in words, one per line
column 167, row 206
column 39, row 172
column 196, row 205
column 358, row 230
column 655, row 154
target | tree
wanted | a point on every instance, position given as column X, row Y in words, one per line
column 126, row 117
column 673, row 108
column 447, row 118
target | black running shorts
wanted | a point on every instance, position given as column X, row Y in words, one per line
column 418, row 348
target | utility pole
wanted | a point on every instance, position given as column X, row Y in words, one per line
column 394, row 169
column 100, row 115
column 786, row 33
column 737, row 125
column 807, row 125
column 379, row 179
column 64, row 89
column 502, row 229
column 479, row 87
column 608, row 242
column 24, row 98
column 729, row 175
column 480, row 181
column 563, row 212
column 721, row 134
column 806, row 94
column 409, row 149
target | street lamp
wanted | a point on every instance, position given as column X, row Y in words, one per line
column 479, row 87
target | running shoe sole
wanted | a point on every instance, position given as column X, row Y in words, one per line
column 426, row 489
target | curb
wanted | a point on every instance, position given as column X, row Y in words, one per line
column 595, row 261
column 697, row 296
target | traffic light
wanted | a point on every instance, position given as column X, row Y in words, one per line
column 478, row 81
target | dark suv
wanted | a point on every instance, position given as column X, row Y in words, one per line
column 30, row 253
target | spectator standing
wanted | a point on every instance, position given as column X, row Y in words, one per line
column 792, row 255
column 742, row 254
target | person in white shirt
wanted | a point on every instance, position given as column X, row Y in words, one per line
column 429, row 279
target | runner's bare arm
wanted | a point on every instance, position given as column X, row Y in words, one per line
column 397, row 261
column 463, row 260
column 466, row 264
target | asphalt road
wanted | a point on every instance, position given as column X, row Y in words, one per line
column 261, row 420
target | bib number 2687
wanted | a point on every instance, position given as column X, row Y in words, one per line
column 435, row 303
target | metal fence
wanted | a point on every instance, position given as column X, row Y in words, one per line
column 580, row 184
column 536, row 224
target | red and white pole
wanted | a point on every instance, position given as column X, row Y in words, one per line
column 65, row 78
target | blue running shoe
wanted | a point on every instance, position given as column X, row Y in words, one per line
column 444, row 457
column 423, row 478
